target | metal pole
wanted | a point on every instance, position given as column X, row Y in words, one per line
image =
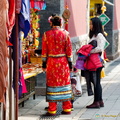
column 10, row 85
column 3, row 112
column 103, row 7
column 16, row 66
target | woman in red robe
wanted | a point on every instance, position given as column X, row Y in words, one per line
column 56, row 56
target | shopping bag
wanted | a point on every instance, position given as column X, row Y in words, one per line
column 102, row 73
column 76, row 85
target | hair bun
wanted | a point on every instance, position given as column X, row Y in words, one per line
column 56, row 18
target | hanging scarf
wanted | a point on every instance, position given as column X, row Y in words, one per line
column 11, row 16
column 18, row 6
column 3, row 49
column 24, row 17
column 38, row 5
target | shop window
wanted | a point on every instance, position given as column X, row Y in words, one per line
column 98, row 10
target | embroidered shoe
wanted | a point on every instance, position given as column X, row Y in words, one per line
column 66, row 113
column 49, row 114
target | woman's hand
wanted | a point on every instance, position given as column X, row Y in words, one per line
column 44, row 69
column 44, row 66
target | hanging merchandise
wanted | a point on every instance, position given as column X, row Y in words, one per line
column 24, row 27
column 31, row 63
column 18, row 6
column 35, row 26
column 32, row 3
column 66, row 16
column 3, row 50
column 11, row 14
column 24, row 17
column 22, row 85
column 38, row 4
column 11, row 19
column 35, row 7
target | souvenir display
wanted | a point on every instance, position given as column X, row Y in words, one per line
column 30, row 60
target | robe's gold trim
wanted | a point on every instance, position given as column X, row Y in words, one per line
column 58, row 55
column 59, row 93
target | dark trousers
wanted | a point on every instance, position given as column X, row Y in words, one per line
column 95, row 78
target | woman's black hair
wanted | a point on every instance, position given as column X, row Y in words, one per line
column 54, row 14
column 56, row 21
column 97, row 27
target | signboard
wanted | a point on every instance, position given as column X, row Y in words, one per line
column 104, row 18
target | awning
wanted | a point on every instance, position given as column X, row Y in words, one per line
column 108, row 2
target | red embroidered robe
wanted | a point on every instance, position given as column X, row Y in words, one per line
column 57, row 48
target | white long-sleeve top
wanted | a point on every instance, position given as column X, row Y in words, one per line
column 100, row 43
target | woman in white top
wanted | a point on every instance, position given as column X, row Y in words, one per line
column 96, row 33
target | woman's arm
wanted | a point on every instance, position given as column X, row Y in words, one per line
column 100, row 44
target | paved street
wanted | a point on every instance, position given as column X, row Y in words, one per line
column 34, row 109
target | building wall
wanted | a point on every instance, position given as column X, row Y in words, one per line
column 109, row 29
column 116, row 30
column 77, row 21
column 116, row 15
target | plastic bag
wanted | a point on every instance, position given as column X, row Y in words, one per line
column 76, row 85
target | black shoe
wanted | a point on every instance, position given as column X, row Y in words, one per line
column 46, row 108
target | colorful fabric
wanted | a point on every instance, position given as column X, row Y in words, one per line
column 56, row 42
column 24, row 17
column 18, row 6
column 22, row 80
column 11, row 14
column 3, row 49
column 32, row 3
column 58, row 93
column 38, row 5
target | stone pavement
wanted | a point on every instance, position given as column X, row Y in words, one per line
column 34, row 109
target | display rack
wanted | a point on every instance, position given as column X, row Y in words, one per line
column 30, row 80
